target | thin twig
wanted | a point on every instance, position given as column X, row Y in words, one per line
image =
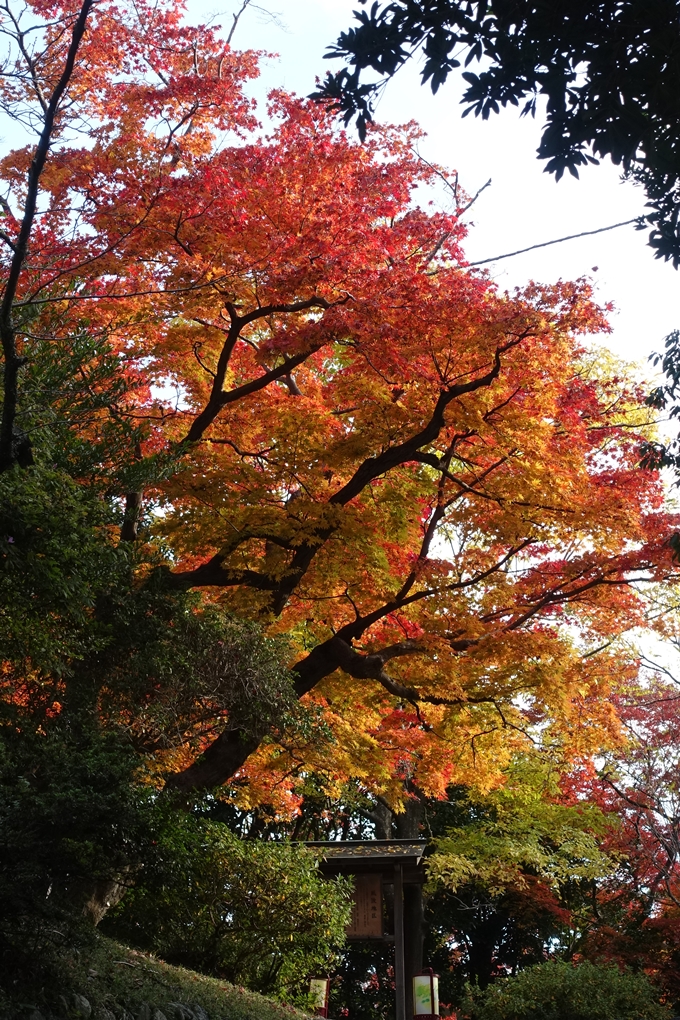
column 236, row 19
column 558, row 240
column 474, row 199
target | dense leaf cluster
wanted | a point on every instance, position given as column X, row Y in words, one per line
column 560, row 991
column 106, row 673
column 255, row 913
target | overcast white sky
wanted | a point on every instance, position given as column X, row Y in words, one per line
column 523, row 205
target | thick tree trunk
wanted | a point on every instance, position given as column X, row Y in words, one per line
column 481, row 962
column 409, row 822
column 93, row 897
column 230, row 751
column 222, row 759
column 382, row 817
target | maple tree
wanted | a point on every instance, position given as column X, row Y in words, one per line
column 500, row 872
column 634, row 917
column 427, row 485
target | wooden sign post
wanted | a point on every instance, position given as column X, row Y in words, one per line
column 399, row 968
column 367, row 919
column 373, row 864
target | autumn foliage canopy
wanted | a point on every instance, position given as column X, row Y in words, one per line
column 316, row 416
column 303, row 405
column 308, row 527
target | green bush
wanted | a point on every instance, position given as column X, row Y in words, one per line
column 255, row 913
column 563, row 991
column 69, row 810
column 57, row 561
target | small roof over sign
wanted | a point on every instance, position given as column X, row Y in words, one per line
column 378, row 852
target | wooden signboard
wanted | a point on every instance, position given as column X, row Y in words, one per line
column 366, row 920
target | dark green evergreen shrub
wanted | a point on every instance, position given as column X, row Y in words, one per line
column 562, row 991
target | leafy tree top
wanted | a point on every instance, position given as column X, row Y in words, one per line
column 427, row 483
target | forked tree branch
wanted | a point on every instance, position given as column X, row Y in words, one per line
column 214, row 574
column 232, row 748
column 219, row 398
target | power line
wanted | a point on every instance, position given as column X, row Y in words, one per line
column 544, row 244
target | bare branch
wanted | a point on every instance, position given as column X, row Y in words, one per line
column 236, row 18
column 13, row 361
column 558, row 240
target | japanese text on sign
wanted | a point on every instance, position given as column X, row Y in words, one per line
column 366, row 920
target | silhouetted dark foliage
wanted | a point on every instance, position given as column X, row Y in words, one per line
column 609, row 72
